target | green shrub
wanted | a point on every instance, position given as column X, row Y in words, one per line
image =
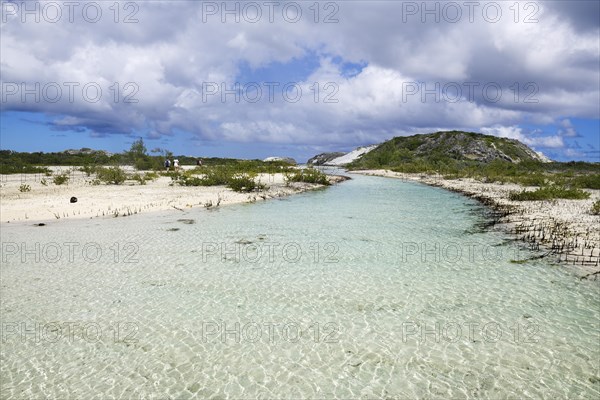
column 244, row 183
column 44, row 182
column 236, row 177
column 22, row 169
column 217, row 176
column 151, row 176
column 186, row 180
column 141, row 179
column 24, row 188
column 112, row 175
column 589, row 181
column 171, row 174
column 211, row 176
column 60, row 179
column 596, row 208
column 530, row 180
column 144, row 163
column 88, row 169
column 549, row 193
column 307, row 175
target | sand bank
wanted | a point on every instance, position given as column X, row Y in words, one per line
column 52, row 202
column 563, row 229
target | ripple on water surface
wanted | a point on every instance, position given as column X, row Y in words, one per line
column 375, row 288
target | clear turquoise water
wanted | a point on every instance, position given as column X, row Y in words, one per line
column 354, row 291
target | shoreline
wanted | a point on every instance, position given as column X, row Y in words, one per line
column 561, row 229
column 51, row 202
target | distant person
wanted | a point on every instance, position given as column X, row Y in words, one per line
column 176, row 165
column 199, row 162
column 167, row 164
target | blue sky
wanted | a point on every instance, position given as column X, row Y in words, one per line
column 376, row 70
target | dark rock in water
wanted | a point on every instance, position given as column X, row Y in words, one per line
column 40, row 224
column 172, row 229
column 73, row 199
column 187, row 221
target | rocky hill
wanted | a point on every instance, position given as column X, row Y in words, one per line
column 446, row 147
column 324, row 158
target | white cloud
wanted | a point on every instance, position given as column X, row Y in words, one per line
column 573, row 153
column 515, row 132
column 171, row 52
column 567, row 129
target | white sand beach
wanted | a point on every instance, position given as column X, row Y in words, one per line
column 51, row 202
column 564, row 228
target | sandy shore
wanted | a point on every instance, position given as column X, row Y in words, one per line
column 563, row 229
column 51, row 202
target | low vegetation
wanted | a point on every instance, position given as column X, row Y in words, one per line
column 240, row 176
column 245, row 183
column 470, row 155
column 443, row 150
column 596, row 208
column 307, row 175
column 12, row 162
column 142, row 179
column 22, row 169
column 112, row 175
column 24, row 188
column 550, row 192
column 139, row 178
column 89, row 169
column 531, row 173
column 60, row 179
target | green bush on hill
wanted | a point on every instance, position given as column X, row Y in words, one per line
column 454, row 155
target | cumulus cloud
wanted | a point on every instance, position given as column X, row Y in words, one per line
column 515, row 132
column 567, row 129
column 416, row 76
